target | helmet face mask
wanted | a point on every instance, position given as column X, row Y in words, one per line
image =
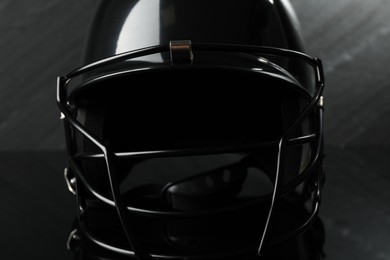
column 193, row 149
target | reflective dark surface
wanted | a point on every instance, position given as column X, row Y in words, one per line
column 37, row 210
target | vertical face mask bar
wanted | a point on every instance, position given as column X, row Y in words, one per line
column 273, row 199
column 110, row 157
column 317, row 195
column 316, row 102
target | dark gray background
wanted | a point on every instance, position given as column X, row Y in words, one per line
column 43, row 39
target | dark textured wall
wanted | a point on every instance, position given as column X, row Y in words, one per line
column 43, row 39
column 39, row 40
column 353, row 39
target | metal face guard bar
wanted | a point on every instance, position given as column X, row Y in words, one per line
column 316, row 104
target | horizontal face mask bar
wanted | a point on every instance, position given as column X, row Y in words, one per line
column 229, row 48
column 202, row 150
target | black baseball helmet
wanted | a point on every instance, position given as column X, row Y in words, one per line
column 194, row 129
